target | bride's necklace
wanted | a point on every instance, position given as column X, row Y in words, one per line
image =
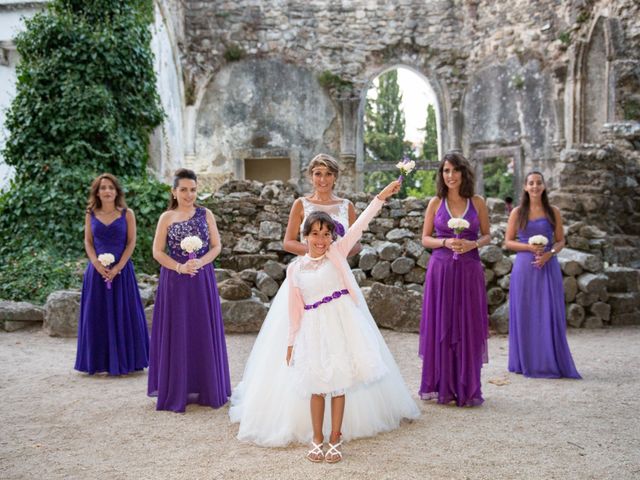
column 315, row 259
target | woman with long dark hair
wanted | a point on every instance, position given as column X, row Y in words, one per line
column 454, row 326
column 112, row 330
column 188, row 361
column 537, row 324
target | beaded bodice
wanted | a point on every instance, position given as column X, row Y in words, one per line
column 194, row 226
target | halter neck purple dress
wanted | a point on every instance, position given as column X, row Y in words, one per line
column 112, row 329
column 537, row 324
column 454, row 326
column 188, row 361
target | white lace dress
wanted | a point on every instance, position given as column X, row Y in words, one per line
column 270, row 402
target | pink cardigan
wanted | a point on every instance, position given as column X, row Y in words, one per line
column 337, row 254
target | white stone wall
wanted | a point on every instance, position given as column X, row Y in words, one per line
column 12, row 14
column 166, row 148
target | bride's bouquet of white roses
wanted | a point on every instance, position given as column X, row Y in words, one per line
column 191, row 245
column 458, row 225
column 107, row 259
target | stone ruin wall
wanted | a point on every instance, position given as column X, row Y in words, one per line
column 522, row 79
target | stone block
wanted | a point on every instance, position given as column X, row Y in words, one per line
column 622, row 279
column 592, row 283
column 570, row 289
column 398, row 234
column 14, row 325
column 274, row 269
column 586, row 299
column 402, row 265
column 243, row 316
column 249, row 275
column 413, row 249
column 491, row 253
column 630, row 318
column 488, row 276
column 505, row 282
column 423, row 259
column 389, row 251
column 61, row 313
column 569, row 267
column 247, row 244
column 588, row 262
column 499, row 319
column 624, row 302
column 601, row 310
column 148, row 315
column 394, row 307
column 495, row 296
column 222, row 274
column 359, row 275
column 234, row 289
column 381, row 270
column 20, row 312
column 266, row 284
column 368, row 259
column 575, row 315
column 269, row 231
column 416, row 275
column 593, row 322
column 502, row 266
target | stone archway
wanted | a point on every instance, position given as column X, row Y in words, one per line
column 446, row 135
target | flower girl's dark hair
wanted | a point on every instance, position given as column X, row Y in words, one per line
column 94, row 202
column 180, row 174
column 324, row 219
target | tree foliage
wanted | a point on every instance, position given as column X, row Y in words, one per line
column 85, row 103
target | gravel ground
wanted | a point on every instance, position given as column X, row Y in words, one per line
column 58, row 423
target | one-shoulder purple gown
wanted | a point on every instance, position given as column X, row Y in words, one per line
column 537, row 322
column 112, row 329
column 454, row 326
column 188, row 361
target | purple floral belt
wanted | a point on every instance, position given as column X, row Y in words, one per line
column 327, row 299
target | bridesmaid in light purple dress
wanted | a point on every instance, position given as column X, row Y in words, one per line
column 188, row 360
column 537, row 324
column 454, row 326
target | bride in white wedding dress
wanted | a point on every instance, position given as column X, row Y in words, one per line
column 270, row 410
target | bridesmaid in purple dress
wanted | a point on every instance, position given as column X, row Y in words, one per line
column 537, row 324
column 188, row 361
column 454, row 326
column 112, row 330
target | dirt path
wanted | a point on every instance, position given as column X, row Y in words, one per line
column 57, row 423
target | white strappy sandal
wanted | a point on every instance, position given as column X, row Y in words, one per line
column 336, row 455
column 316, row 455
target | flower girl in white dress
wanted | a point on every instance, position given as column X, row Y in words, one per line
column 335, row 347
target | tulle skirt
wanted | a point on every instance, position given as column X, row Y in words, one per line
column 271, row 403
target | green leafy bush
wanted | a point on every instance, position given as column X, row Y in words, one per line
column 85, row 104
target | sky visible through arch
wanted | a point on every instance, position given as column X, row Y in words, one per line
column 416, row 95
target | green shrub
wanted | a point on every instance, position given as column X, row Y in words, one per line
column 85, row 104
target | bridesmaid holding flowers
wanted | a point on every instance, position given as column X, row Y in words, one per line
column 454, row 326
column 537, row 323
column 112, row 330
column 188, row 360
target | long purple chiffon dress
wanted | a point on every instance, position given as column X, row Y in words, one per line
column 537, row 323
column 112, row 329
column 454, row 326
column 188, row 361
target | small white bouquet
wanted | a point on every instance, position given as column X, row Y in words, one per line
column 458, row 225
column 538, row 240
column 191, row 245
column 107, row 259
column 406, row 166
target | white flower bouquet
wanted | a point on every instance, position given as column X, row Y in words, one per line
column 191, row 245
column 538, row 240
column 106, row 260
column 406, row 166
column 458, row 225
